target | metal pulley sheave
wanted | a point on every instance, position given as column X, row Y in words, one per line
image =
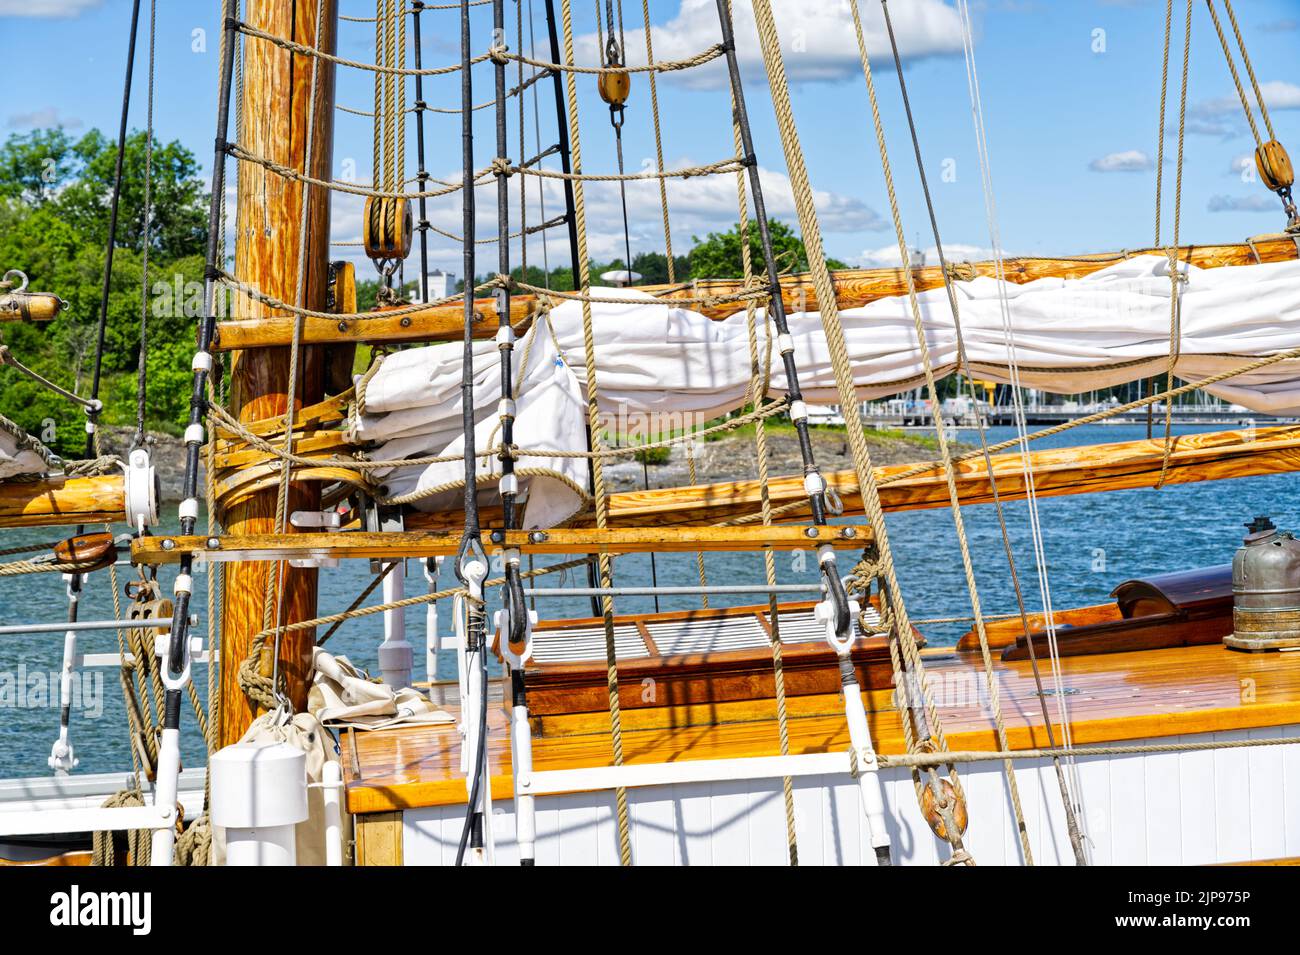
column 387, row 229
column 1276, row 172
column 1265, row 590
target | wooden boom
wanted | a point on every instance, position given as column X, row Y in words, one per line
column 1058, row 471
column 435, row 323
column 853, row 288
column 58, row 501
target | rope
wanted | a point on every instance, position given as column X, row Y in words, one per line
column 139, row 842
column 690, row 172
column 912, row 760
column 1175, row 277
column 954, row 498
column 582, row 272
column 1232, row 68
column 335, row 185
column 662, row 66
column 758, row 383
column 293, row 47
column 659, row 144
column 903, row 644
column 91, row 405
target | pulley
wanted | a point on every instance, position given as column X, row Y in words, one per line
column 1274, row 166
column 954, row 807
column 1276, row 172
column 91, row 551
column 387, row 228
column 614, row 86
column 140, row 490
column 18, row 304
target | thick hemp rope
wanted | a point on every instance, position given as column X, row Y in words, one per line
column 903, row 643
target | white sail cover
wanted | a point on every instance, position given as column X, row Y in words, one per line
column 661, row 367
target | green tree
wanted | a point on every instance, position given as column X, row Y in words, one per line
column 718, row 255
column 54, row 209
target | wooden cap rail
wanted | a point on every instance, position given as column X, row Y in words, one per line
column 343, row 544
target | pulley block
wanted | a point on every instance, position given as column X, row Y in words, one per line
column 388, row 226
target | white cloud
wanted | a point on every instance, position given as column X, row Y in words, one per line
column 47, row 9
column 888, row 256
column 697, row 206
column 817, row 38
column 45, row 117
column 1277, row 95
column 1255, row 203
column 1130, row 160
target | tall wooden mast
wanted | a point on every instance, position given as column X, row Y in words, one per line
column 282, row 121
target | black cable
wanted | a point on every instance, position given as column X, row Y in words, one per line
column 471, row 541
column 114, row 202
column 142, row 366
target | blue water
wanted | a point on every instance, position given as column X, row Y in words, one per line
column 1092, row 542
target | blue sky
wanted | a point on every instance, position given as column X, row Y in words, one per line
column 1071, row 115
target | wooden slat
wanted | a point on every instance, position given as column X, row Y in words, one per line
column 1059, row 471
column 436, row 323
column 267, row 547
column 62, row 501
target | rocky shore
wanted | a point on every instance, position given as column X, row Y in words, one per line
column 732, row 458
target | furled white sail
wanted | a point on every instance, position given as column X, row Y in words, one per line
column 662, row 367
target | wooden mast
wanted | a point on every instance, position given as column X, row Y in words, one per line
column 278, row 123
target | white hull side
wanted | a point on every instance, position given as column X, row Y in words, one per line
column 1226, row 805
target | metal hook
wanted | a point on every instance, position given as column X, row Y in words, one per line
column 21, row 274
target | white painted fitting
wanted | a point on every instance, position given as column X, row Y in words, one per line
column 202, row 361
column 814, row 483
column 194, row 434
column 798, row 411
column 509, row 484
column 190, row 508
column 259, row 793
column 784, row 343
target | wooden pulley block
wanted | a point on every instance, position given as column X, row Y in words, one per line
column 20, row 305
column 614, row 87
column 931, row 810
column 99, row 550
column 1274, row 165
column 387, row 228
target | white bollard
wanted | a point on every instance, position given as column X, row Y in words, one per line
column 396, row 657
column 259, row 793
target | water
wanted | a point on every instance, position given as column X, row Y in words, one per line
column 1092, row 542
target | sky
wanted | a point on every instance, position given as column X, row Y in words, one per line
column 1070, row 94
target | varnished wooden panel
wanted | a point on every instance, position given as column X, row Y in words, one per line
column 1120, row 696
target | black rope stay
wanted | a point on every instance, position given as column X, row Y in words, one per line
column 813, row 481
column 471, row 544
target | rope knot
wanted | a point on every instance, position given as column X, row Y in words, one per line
column 501, row 166
column 498, row 54
column 961, row 271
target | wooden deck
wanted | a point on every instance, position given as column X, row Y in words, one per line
column 1112, row 697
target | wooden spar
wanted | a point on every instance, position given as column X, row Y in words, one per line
column 58, row 501
column 1057, row 472
column 857, row 287
column 358, row 544
column 853, row 287
column 435, row 323
column 277, row 123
